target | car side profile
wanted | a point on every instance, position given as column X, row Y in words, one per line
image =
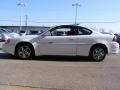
column 69, row 40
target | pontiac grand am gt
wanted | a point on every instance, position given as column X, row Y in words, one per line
column 70, row 40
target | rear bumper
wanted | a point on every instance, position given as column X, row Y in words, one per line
column 114, row 48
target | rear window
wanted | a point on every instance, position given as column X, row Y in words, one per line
column 84, row 31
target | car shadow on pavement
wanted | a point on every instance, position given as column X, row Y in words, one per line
column 6, row 56
column 49, row 58
column 63, row 58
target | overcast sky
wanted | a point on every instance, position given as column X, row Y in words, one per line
column 92, row 13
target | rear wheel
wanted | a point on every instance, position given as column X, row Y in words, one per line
column 98, row 53
column 24, row 51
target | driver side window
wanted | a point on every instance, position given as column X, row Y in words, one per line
column 60, row 32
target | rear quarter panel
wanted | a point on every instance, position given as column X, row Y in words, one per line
column 85, row 43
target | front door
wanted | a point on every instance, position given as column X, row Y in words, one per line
column 58, row 43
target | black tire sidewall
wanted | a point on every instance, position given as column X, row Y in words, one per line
column 91, row 53
column 18, row 47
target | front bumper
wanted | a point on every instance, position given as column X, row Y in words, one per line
column 8, row 49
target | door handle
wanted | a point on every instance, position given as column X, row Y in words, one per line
column 71, row 39
column 50, row 42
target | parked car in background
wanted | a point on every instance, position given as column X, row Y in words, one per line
column 118, row 38
column 29, row 32
column 22, row 32
column 3, row 33
column 107, row 33
column 77, row 41
column 34, row 32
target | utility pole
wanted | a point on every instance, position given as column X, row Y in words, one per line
column 21, row 5
column 76, row 5
column 26, row 20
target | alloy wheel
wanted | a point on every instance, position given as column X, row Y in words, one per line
column 24, row 52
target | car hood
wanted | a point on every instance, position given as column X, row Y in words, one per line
column 28, row 37
column 6, row 36
column 32, row 38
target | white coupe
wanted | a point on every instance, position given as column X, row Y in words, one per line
column 69, row 40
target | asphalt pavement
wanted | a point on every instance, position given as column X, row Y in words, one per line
column 59, row 73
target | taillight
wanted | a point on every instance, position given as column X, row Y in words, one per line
column 114, row 39
column 7, row 41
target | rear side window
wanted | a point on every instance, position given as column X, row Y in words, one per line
column 84, row 31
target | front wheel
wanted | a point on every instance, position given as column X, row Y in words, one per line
column 98, row 53
column 24, row 51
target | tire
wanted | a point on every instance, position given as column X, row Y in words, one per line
column 98, row 53
column 24, row 51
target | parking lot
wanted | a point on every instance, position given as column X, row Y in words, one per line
column 61, row 73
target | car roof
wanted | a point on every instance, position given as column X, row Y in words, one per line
column 66, row 25
column 57, row 26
